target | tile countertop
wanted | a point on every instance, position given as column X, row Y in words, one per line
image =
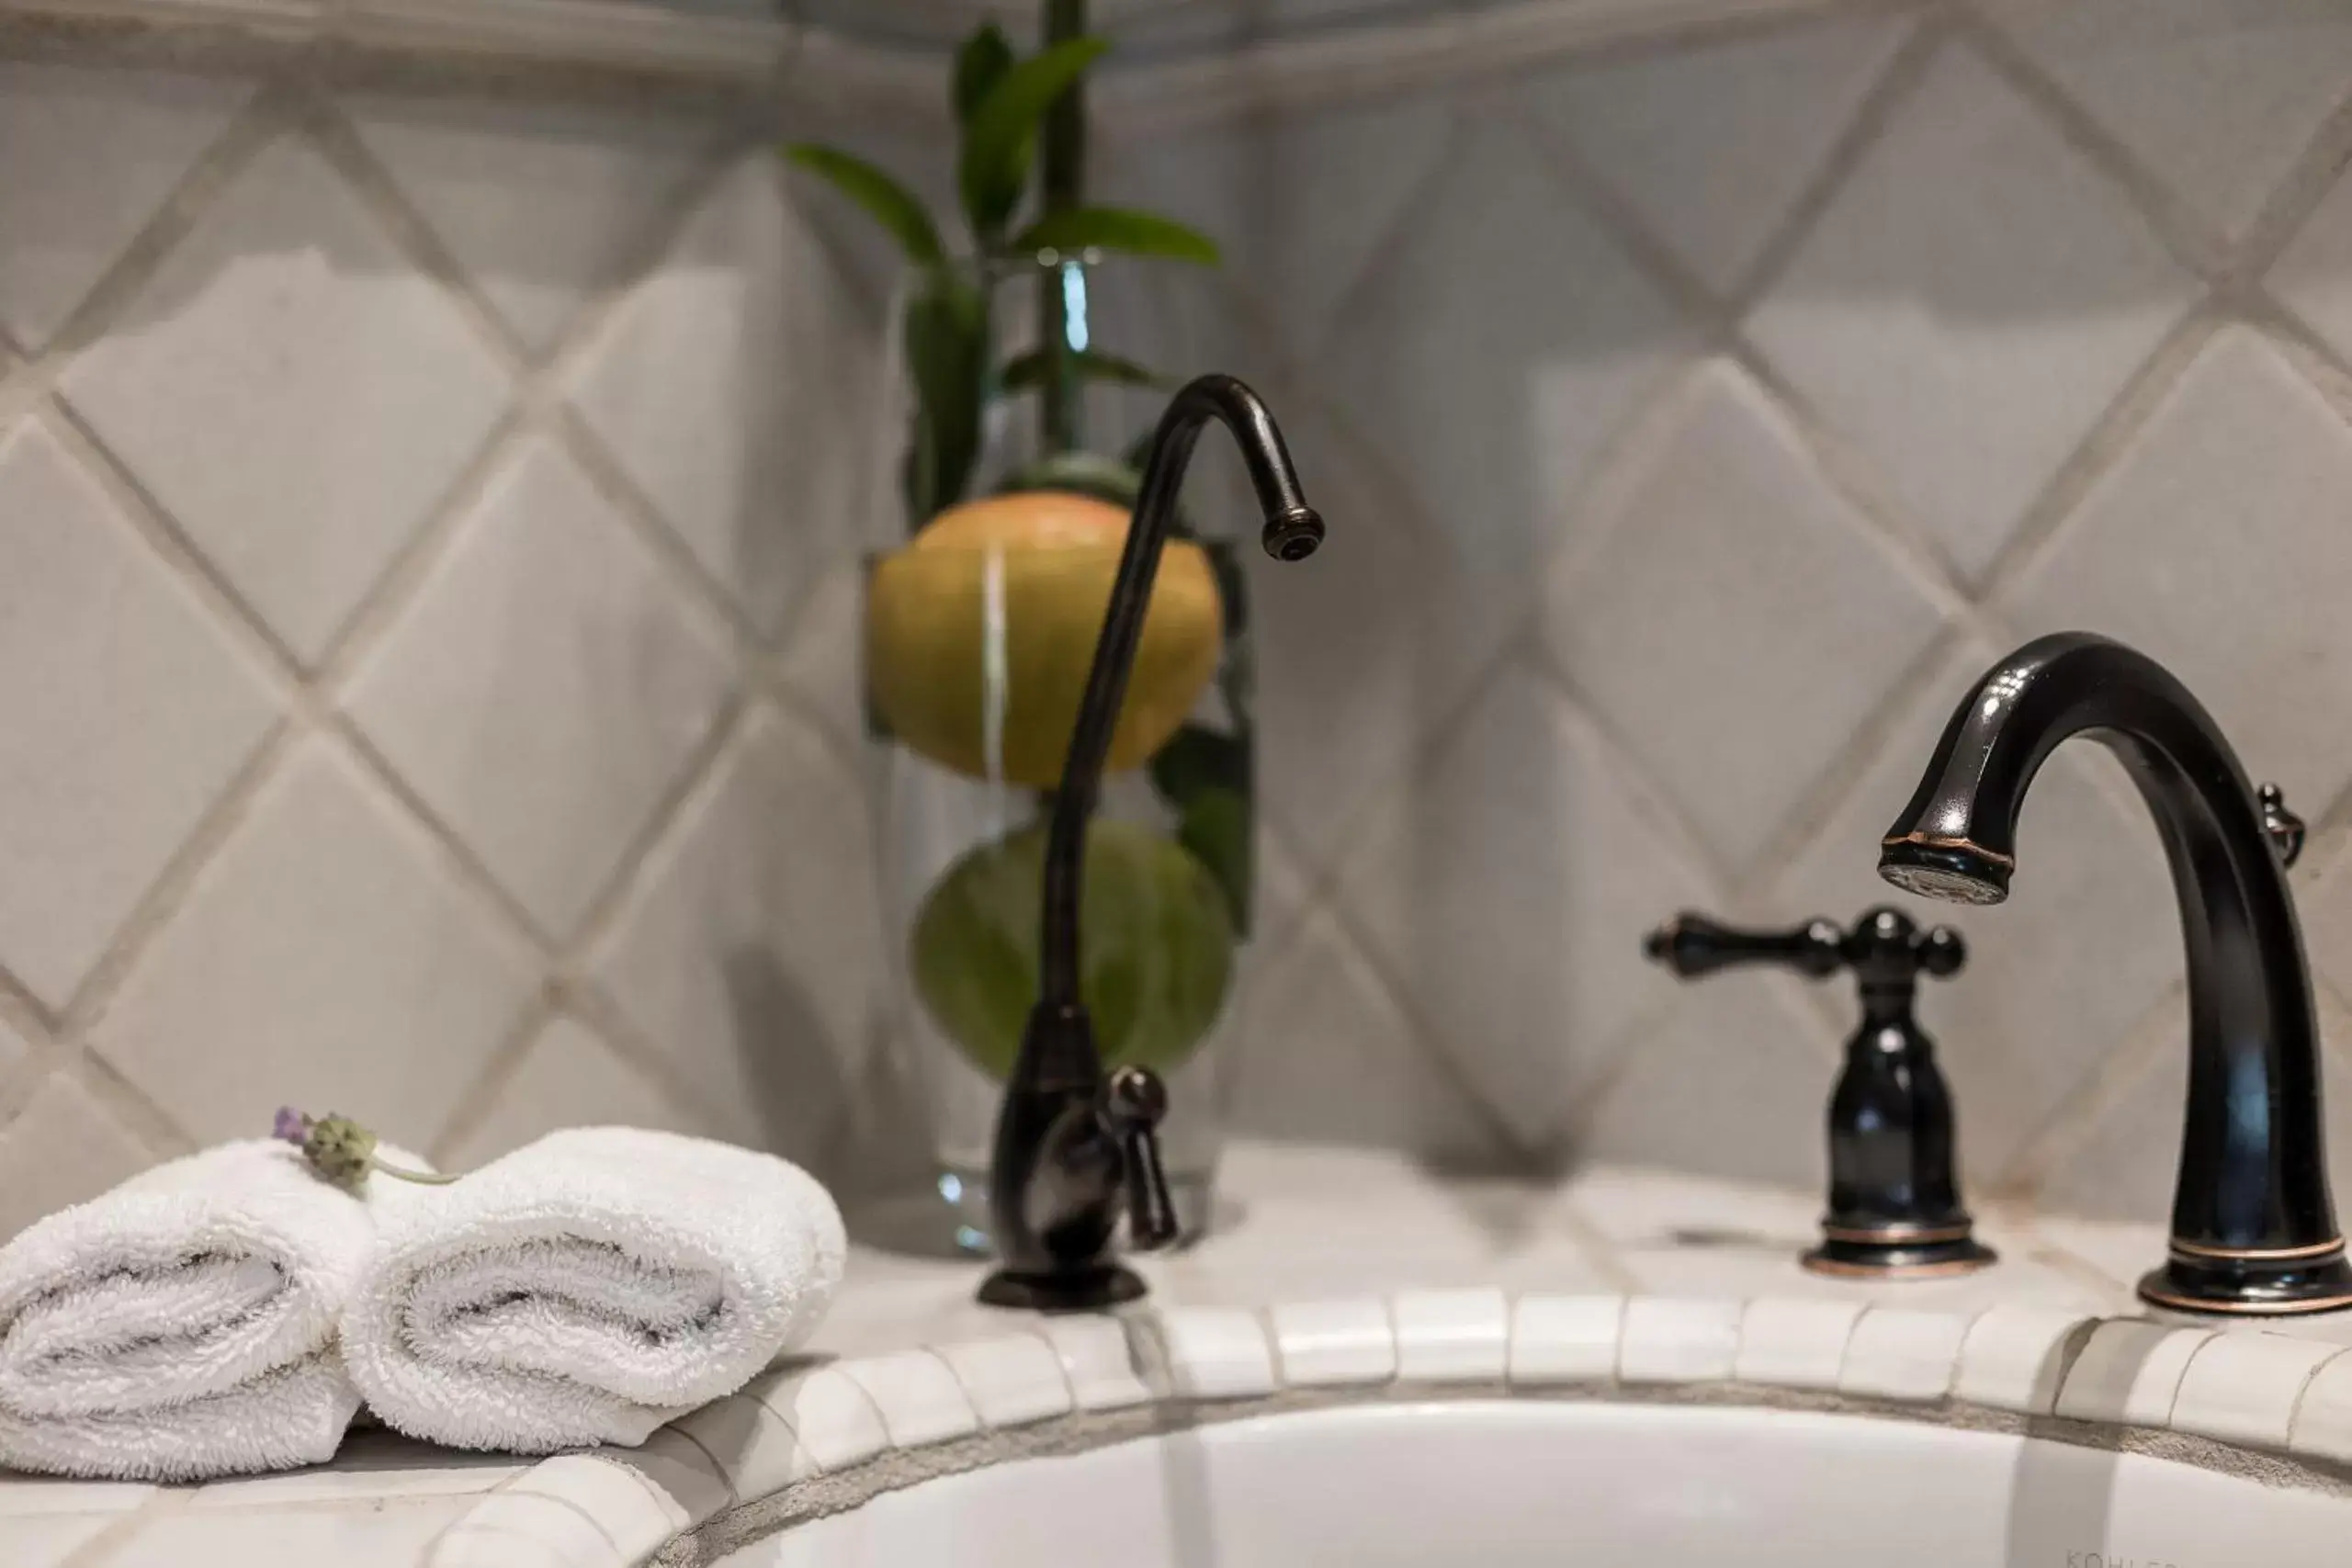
column 1334, row 1235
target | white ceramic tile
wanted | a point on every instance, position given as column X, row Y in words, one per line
column 1506, row 924
column 1712, row 144
column 735, row 388
column 1824, row 623
column 1494, row 401
column 2244, row 436
column 518, row 1530
column 753, row 1446
column 1350, row 1067
column 546, row 687
column 2216, row 99
column 1895, row 1353
column 1670, row 1339
column 569, row 1078
column 542, row 204
column 2243, row 1387
column 15, row 1049
column 678, row 1471
column 1634, row 1206
column 2014, row 1359
column 1968, row 304
column 229, row 391
column 1364, row 649
column 1097, row 1359
column 324, row 919
column 830, row 1412
column 50, row 1540
column 24, row 1495
column 1687, row 1098
column 2129, row 1371
column 1012, row 1380
column 1458, row 1336
column 369, row 1465
column 1565, row 1339
column 1215, row 1352
column 2313, row 275
column 396, row 1532
column 627, row 1509
column 1301, row 203
column 2055, row 976
column 61, row 1147
column 92, row 151
column 1335, row 1342
column 125, row 707
column 751, row 957
column 918, row 1397
column 1791, row 1343
column 2322, row 1419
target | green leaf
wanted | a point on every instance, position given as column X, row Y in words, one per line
column 1118, row 229
column 1031, row 369
column 947, row 352
column 1000, row 137
column 890, row 204
column 1197, row 759
column 980, row 65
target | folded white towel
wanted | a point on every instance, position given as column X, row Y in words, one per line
column 183, row 1326
column 588, row 1288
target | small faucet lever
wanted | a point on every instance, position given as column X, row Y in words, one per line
column 2283, row 828
column 1134, row 1103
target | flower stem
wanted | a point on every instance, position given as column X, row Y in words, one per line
column 1061, row 186
column 424, row 1178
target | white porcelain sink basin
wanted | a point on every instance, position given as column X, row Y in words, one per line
column 1518, row 1484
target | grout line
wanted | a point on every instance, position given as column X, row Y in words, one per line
column 1906, row 67
column 152, row 914
column 248, row 132
column 481, row 1097
column 2186, row 236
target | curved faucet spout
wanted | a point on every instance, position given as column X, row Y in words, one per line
column 1067, row 1142
column 2253, row 1227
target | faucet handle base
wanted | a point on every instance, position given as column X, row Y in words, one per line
column 1896, row 1255
column 1088, row 1289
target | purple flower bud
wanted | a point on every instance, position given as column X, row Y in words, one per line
column 291, row 1126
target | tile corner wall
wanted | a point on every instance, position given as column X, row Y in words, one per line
column 471, row 741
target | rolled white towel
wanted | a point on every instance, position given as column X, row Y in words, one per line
column 589, row 1287
column 183, row 1326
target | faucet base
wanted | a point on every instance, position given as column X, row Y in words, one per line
column 1088, row 1289
column 2251, row 1287
column 1899, row 1257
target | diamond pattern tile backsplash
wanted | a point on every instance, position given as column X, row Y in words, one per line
column 429, row 533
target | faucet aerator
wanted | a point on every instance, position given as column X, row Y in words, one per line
column 1294, row 536
column 1951, row 875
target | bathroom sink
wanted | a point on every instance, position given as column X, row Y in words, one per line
column 1505, row 1484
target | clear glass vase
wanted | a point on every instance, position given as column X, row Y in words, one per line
column 980, row 629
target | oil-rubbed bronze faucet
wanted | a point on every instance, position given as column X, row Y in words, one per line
column 2253, row 1227
column 1070, row 1141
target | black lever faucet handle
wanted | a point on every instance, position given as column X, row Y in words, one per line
column 1135, row 1100
column 2281, row 827
column 1691, row 945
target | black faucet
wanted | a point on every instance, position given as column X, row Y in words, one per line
column 2253, row 1227
column 1069, row 1140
